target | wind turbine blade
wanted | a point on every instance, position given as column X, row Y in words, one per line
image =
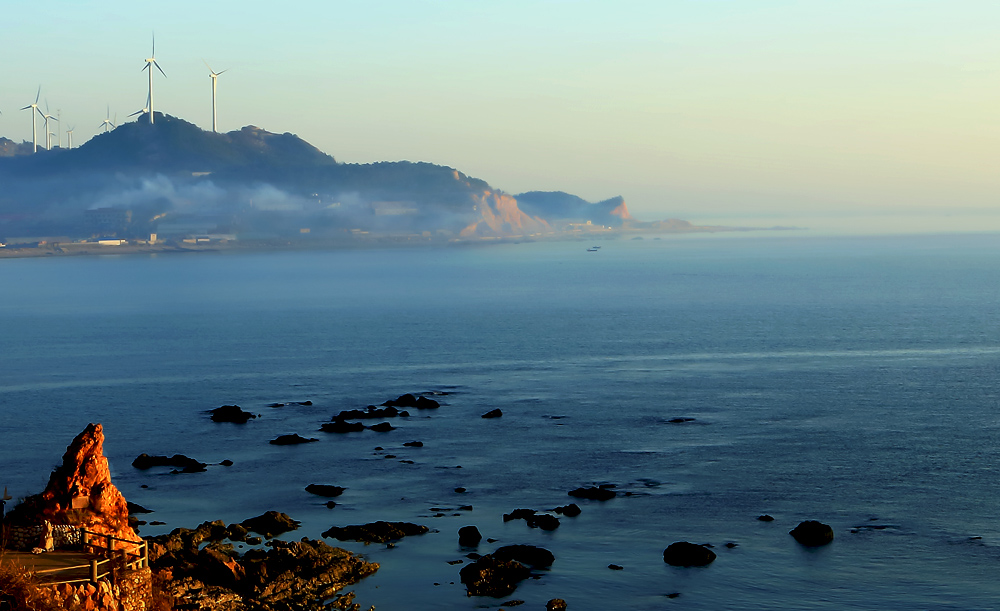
column 40, row 112
column 144, row 67
column 39, row 94
column 223, row 72
column 138, row 112
column 115, row 122
column 209, row 67
column 160, row 69
column 153, row 54
column 26, row 107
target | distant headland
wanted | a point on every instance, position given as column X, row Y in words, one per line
column 168, row 185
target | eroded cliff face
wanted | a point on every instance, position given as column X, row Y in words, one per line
column 621, row 211
column 80, row 492
column 500, row 216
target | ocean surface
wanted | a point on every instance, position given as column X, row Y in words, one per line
column 848, row 380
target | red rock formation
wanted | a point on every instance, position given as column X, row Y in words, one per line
column 80, row 492
column 502, row 217
column 621, row 211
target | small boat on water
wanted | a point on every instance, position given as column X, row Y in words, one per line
column 593, row 249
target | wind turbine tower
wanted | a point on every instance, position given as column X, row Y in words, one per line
column 34, row 125
column 108, row 123
column 215, row 81
column 150, row 62
column 48, row 134
column 69, row 136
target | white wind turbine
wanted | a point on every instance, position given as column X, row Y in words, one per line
column 215, row 81
column 150, row 62
column 144, row 110
column 69, row 136
column 108, row 123
column 34, row 124
column 48, row 134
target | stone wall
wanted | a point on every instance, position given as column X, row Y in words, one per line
column 131, row 591
column 24, row 538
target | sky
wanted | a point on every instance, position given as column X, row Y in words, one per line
column 872, row 115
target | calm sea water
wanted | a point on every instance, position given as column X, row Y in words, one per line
column 849, row 380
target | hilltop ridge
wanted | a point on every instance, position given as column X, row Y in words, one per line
column 177, row 180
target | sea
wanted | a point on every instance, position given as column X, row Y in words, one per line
column 711, row 379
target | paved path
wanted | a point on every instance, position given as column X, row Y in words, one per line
column 51, row 560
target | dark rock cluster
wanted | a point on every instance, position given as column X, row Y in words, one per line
column 499, row 573
column 375, row 532
column 291, row 575
column 231, row 413
column 183, row 463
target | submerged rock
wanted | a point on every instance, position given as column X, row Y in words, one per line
column 341, row 426
column 409, row 400
column 370, row 412
column 185, row 464
column 570, row 511
column 293, row 439
column 231, row 413
column 593, row 493
column 683, row 553
column 324, row 490
column 493, row 413
column 375, row 532
column 812, row 533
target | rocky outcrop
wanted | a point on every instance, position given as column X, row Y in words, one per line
column 500, row 216
column 80, row 493
column 299, row 575
column 270, row 524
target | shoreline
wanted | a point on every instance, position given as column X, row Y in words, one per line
column 78, row 249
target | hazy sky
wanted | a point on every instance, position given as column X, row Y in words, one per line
column 705, row 110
